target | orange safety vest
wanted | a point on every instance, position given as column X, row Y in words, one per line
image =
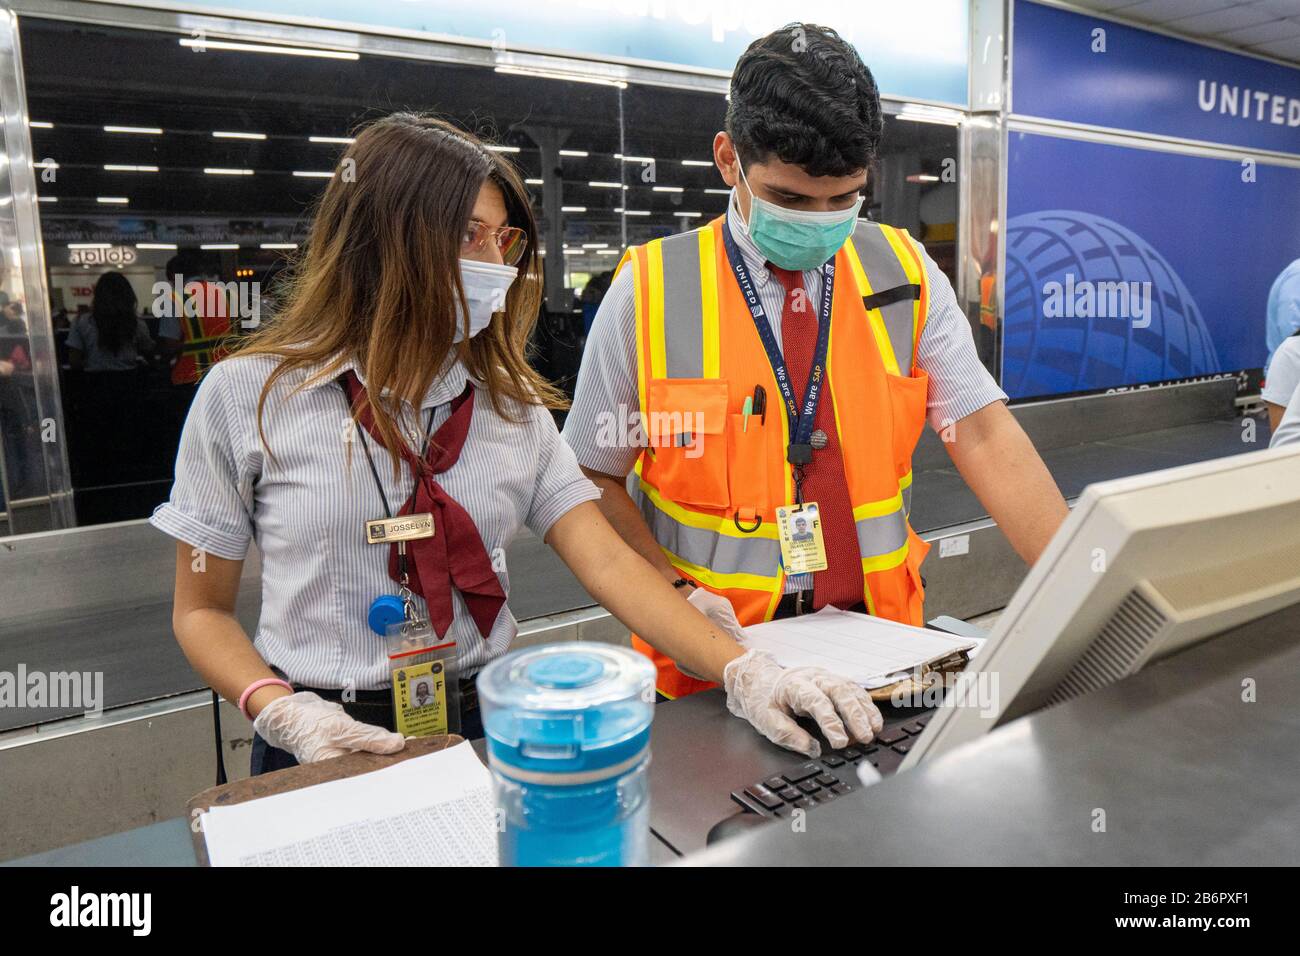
column 988, row 301
column 702, row 471
column 203, row 336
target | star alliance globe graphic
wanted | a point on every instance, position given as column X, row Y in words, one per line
column 1085, row 344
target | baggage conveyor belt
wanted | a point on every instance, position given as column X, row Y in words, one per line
column 940, row 499
column 140, row 661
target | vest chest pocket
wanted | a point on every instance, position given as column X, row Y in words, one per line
column 747, row 468
column 909, row 395
column 687, row 431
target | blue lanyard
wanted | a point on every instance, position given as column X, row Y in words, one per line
column 799, row 451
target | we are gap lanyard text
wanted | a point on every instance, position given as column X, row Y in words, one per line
column 799, row 451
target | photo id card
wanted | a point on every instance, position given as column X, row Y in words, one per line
column 420, row 699
column 800, row 529
column 425, row 681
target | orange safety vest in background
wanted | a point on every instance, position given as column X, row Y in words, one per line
column 699, row 356
column 203, row 336
column 988, row 301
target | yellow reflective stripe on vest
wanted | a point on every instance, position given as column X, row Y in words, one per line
column 871, row 253
column 884, row 562
column 637, row 280
column 726, row 556
column 882, row 528
column 655, row 294
column 711, row 319
column 710, row 540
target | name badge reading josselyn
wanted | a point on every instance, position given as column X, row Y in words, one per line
column 401, row 528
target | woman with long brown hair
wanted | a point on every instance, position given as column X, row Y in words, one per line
column 393, row 385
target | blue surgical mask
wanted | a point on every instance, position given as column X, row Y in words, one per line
column 792, row 238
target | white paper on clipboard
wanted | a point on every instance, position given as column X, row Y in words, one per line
column 867, row 650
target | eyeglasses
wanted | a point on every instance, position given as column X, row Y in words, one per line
column 511, row 241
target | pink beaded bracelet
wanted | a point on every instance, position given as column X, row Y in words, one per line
column 254, row 687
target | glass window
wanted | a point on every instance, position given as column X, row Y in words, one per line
column 175, row 179
column 189, row 173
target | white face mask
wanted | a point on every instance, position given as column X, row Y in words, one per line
column 486, row 285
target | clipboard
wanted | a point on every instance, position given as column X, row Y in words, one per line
column 915, row 683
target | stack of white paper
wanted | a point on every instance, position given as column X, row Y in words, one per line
column 435, row 810
column 867, row 650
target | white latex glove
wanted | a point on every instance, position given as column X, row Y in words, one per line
column 769, row 696
column 313, row 729
column 719, row 611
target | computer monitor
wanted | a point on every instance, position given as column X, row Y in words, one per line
column 1142, row 567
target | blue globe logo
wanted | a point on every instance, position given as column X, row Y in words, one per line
column 1046, row 354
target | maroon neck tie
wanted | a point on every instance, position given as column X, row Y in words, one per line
column 824, row 481
column 455, row 554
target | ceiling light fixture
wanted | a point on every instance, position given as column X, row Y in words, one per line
column 201, row 46
column 559, row 75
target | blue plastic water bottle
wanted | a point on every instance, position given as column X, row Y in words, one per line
column 568, row 741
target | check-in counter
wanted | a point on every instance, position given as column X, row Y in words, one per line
column 99, row 599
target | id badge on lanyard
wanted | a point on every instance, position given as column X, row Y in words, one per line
column 422, row 667
column 799, row 524
column 422, row 671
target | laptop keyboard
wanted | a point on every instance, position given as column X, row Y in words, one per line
column 831, row 775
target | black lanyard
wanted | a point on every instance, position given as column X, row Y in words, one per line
column 374, row 472
column 799, row 451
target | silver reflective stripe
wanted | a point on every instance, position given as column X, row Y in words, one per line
column 683, row 306
column 907, row 500
column 884, row 271
column 719, row 553
column 882, row 535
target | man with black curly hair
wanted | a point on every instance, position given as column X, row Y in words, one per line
column 790, row 353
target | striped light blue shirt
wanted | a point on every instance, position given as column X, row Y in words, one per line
column 1288, row 429
column 607, row 381
column 306, row 508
